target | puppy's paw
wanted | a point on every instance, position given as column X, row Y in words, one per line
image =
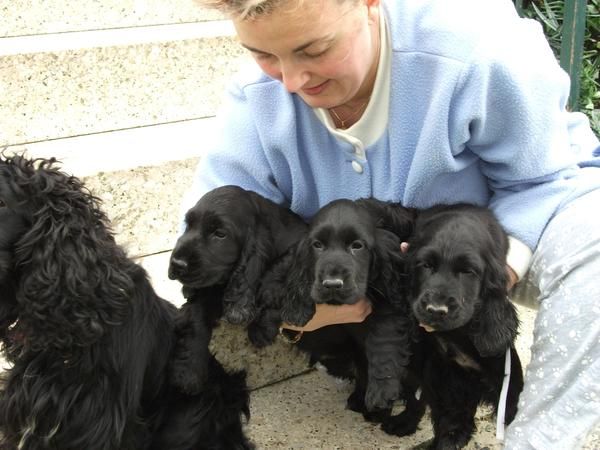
column 402, row 424
column 298, row 315
column 356, row 401
column 239, row 314
column 239, row 310
column 381, row 393
column 377, row 415
column 261, row 335
column 451, row 441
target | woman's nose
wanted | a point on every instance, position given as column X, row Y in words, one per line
column 293, row 77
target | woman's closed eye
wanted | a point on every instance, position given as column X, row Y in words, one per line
column 317, row 49
column 260, row 56
column 313, row 54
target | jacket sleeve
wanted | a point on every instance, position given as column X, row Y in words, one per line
column 510, row 110
column 233, row 154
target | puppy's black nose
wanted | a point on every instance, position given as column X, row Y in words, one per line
column 177, row 267
column 333, row 283
column 438, row 311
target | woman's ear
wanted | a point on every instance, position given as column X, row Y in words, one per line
column 373, row 10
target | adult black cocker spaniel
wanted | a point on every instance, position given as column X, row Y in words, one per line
column 88, row 339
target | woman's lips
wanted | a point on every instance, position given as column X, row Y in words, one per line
column 315, row 90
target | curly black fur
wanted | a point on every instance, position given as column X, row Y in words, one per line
column 349, row 253
column 232, row 237
column 88, row 339
column 458, row 268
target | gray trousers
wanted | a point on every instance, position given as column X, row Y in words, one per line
column 560, row 402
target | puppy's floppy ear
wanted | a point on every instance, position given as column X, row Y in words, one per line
column 394, row 223
column 239, row 297
column 496, row 324
column 297, row 306
column 390, row 216
column 389, row 267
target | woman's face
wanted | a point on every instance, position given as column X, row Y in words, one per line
column 325, row 50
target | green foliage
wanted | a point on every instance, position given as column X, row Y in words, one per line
column 550, row 14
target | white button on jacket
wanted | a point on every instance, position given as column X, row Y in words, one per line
column 357, row 167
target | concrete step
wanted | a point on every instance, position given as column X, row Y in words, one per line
column 66, row 93
column 121, row 150
column 143, row 203
column 307, row 412
column 310, row 413
column 22, row 18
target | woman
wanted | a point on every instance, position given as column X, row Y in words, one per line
column 424, row 102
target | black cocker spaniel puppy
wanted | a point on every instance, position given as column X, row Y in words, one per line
column 88, row 339
column 232, row 237
column 349, row 253
column 459, row 297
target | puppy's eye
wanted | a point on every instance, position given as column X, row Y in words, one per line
column 356, row 245
column 425, row 265
column 2, row 204
column 219, row 234
column 467, row 271
column 317, row 245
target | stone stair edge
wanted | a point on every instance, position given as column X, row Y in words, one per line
column 113, row 37
column 21, row 18
column 125, row 149
column 79, row 92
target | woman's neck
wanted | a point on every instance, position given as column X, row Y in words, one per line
column 350, row 112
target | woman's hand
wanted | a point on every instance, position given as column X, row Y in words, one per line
column 335, row 314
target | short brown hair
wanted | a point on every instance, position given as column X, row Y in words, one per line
column 243, row 9
column 248, row 9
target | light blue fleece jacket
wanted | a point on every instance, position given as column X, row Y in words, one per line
column 476, row 114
